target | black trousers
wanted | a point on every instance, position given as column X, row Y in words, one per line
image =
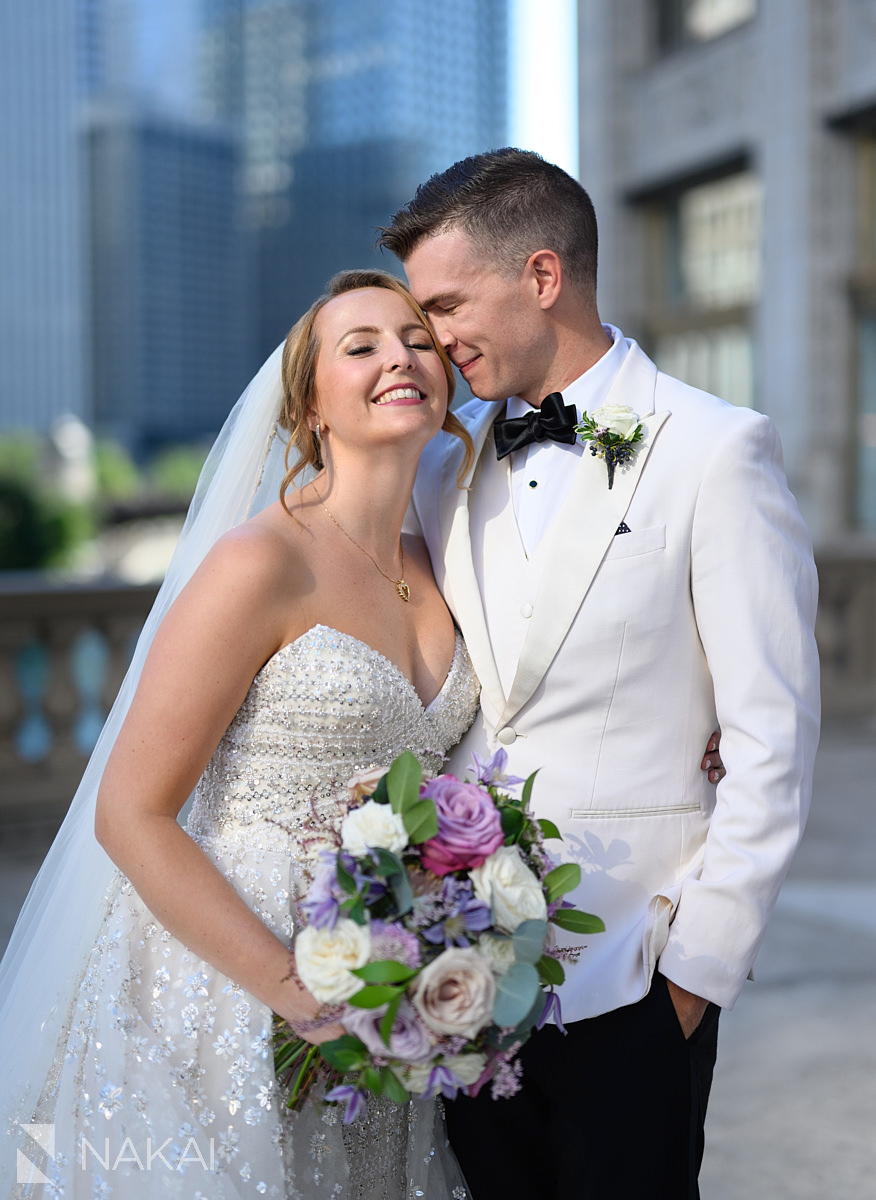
column 613, row 1111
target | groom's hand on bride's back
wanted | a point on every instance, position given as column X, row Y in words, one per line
column 712, row 763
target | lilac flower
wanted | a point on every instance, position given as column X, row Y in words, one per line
column 492, row 772
column 462, row 914
column 352, row 1097
column 551, row 1010
column 507, row 1080
column 443, row 1080
column 322, row 904
column 393, row 941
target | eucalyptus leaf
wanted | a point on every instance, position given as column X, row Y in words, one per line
column 550, row 970
column 373, row 996
column 388, row 864
column 529, row 938
column 561, row 879
column 403, row 782
column 516, row 992
column 577, row 922
column 402, row 893
column 421, row 821
column 386, row 970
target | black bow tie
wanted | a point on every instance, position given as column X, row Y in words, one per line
column 554, row 420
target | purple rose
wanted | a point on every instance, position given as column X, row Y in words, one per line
column 469, row 826
column 410, row 1040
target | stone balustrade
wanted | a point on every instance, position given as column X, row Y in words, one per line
column 64, row 649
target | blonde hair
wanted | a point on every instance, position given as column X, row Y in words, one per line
column 300, row 354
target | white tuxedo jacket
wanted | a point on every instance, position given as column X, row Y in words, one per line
column 628, row 650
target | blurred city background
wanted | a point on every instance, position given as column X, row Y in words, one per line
column 179, row 179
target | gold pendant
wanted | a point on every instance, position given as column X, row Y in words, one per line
column 403, row 590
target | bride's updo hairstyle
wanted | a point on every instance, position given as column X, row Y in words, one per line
column 300, row 354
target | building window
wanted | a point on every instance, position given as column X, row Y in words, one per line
column 705, row 280
column 681, row 22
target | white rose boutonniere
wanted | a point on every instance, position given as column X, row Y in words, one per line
column 612, row 431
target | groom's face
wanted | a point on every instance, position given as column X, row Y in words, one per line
column 488, row 323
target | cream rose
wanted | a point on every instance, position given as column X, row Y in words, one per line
column 325, row 958
column 454, row 994
column 373, row 825
column 510, row 888
column 618, row 418
column 363, row 783
column 499, row 952
column 467, row 1067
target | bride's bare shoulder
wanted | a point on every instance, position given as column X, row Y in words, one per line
column 265, row 554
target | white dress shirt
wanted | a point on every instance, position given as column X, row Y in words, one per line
column 542, row 472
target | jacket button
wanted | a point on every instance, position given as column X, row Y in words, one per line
column 526, row 610
column 507, row 736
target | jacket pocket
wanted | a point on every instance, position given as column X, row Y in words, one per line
column 638, row 541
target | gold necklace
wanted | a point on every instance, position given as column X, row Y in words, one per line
column 401, row 587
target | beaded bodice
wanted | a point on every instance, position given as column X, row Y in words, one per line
column 321, row 709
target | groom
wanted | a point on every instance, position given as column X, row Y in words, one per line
column 613, row 622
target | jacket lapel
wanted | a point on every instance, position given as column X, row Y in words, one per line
column 461, row 589
column 583, row 531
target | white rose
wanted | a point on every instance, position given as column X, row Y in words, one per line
column 373, row 825
column 618, row 418
column 454, row 994
column 467, row 1067
column 506, row 883
column 498, row 951
column 325, row 958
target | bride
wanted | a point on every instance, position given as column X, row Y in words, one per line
column 295, row 642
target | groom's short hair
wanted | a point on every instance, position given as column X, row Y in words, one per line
column 510, row 203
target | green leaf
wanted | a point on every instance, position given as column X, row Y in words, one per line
column 421, row 821
column 402, row 893
column 516, row 992
column 389, row 1017
column 373, row 996
column 577, row 922
column 355, row 910
column 387, row 970
column 370, row 1078
column 513, row 821
column 529, row 939
column 550, row 970
column 561, row 879
column 388, row 864
column 345, row 1053
column 380, row 795
column 549, row 829
column 527, row 789
column 393, row 1088
column 345, row 879
column 403, row 782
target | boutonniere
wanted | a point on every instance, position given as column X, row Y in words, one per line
column 613, row 432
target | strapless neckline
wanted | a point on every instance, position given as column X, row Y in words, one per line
column 376, row 654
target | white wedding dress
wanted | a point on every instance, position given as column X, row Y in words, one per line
column 162, row 1084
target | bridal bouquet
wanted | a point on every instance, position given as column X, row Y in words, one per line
column 429, row 938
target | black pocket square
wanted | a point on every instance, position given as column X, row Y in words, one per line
column 623, row 528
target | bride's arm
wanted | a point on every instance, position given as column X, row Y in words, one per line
column 232, row 616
